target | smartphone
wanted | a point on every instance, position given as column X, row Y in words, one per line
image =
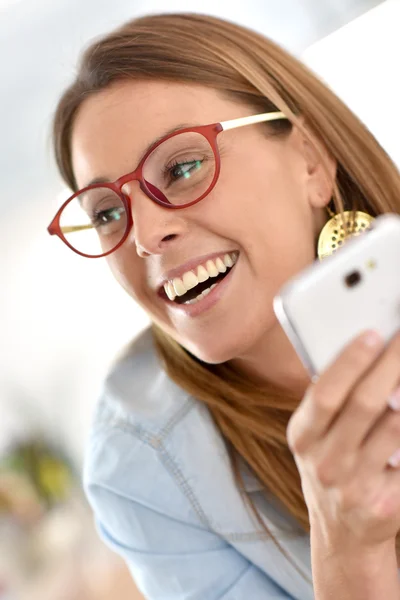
column 328, row 304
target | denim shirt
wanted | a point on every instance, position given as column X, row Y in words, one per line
column 158, row 477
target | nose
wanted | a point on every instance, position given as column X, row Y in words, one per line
column 155, row 228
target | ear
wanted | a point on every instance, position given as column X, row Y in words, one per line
column 320, row 168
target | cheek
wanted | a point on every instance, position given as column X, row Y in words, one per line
column 265, row 203
column 269, row 182
column 264, row 211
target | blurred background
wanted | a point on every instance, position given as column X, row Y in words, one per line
column 55, row 344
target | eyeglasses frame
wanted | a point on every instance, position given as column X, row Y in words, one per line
column 210, row 132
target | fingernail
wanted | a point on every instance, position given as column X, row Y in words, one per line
column 394, row 460
column 372, row 338
column 394, row 399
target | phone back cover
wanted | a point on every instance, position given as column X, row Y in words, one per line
column 321, row 315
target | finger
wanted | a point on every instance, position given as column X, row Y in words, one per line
column 324, row 399
column 369, row 399
column 380, row 445
column 385, row 498
column 367, row 403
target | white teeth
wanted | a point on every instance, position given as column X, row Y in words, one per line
column 228, row 262
column 207, row 291
column 179, row 287
column 190, row 280
column 211, row 268
column 202, row 274
column 220, row 266
column 203, row 294
column 169, row 290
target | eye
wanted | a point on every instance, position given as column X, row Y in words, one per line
column 107, row 216
column 184, row 170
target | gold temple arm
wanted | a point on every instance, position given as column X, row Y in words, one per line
column 72, row 228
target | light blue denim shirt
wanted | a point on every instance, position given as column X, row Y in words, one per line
column 158, row 477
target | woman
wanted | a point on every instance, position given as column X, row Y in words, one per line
column 215, row 467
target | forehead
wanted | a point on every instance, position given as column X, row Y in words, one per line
column 114, row 127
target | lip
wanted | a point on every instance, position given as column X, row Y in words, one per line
column 205, row 304
column 190, row 265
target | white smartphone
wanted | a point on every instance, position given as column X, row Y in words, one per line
column 331, row 302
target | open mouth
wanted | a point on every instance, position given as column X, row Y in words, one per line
column 198, row 283
column 202, row 289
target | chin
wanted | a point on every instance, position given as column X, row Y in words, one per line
column 210, row 356
column 220, row 347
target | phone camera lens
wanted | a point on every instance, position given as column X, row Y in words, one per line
column 353, row 279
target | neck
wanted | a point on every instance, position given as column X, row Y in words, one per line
column 273, row 359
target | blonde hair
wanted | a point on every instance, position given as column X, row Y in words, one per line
column 249, row 68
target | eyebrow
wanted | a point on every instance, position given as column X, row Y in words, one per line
column 155, row 141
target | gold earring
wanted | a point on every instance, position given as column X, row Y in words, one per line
column 341, row 228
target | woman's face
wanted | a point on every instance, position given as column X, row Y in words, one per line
column 264, row 212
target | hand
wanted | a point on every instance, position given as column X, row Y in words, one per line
column 342, row 436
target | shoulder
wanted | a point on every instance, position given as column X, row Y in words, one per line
column 147, row 432
column 147, row 429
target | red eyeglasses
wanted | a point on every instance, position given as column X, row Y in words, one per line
column 176, row 172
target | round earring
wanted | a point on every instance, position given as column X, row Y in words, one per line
column 341, row 228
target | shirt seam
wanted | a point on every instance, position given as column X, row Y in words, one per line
column 156, row 441
column 153, row 439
